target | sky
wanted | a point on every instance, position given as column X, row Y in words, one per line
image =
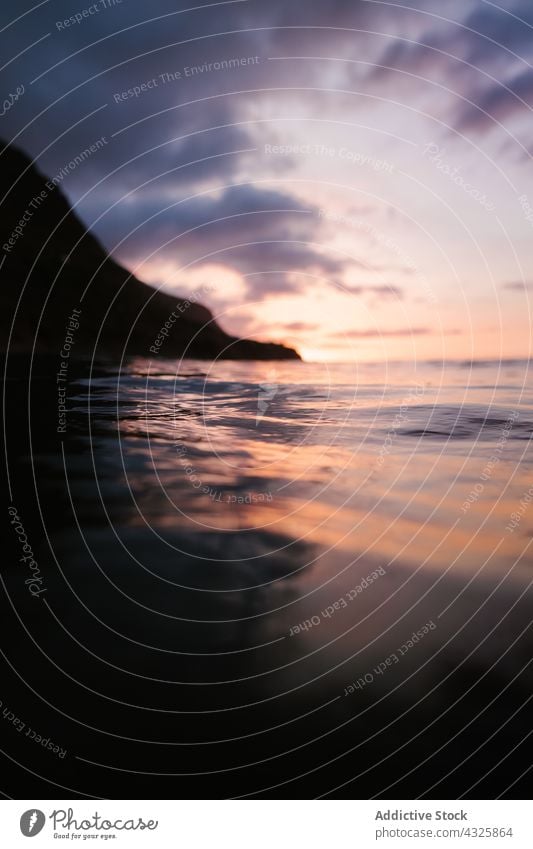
column 350, row 177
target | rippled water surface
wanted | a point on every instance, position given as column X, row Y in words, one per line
column 237, row 556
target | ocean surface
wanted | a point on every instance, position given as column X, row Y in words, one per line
column 270, row 580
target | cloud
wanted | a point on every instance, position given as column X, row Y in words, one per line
column 499, row 27
column 498, row 103
column 301, row 327
column 418, row 57
column 518, row 286
column 265, row 235
column 374, row 333
column 377, row 291
column 463, row 54
column 186, row 135
column 190, row 134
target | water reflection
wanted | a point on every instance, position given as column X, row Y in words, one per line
column 187, row 537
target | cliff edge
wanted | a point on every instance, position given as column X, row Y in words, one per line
column 57, row 279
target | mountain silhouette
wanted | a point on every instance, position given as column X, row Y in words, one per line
column 57, row 279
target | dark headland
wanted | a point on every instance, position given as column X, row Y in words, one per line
column 53, row 269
